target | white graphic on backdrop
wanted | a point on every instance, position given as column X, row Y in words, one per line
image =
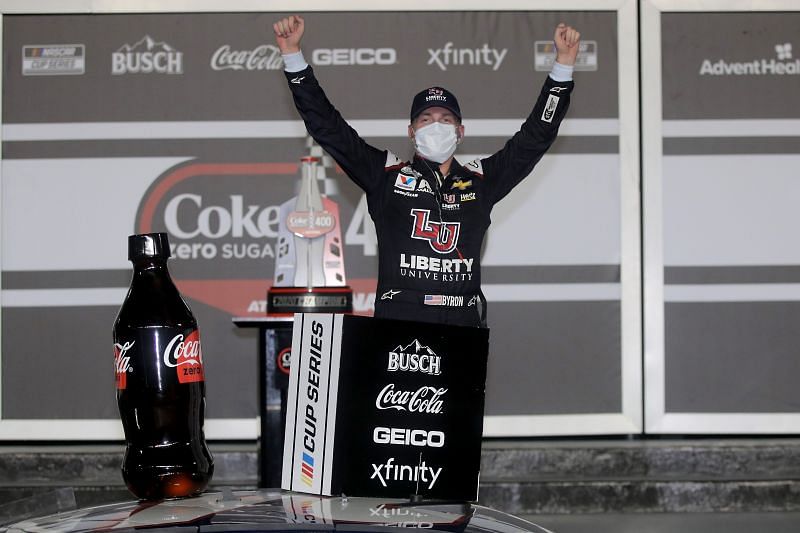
column 780, row 65
column 145, row 57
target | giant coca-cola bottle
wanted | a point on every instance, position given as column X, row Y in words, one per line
column 159, row 380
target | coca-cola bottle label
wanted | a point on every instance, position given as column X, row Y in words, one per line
column 184, row 354
column 145, row 356
column 122, row 363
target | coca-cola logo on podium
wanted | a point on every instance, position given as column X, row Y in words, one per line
column 425, row 399
column 223, row 231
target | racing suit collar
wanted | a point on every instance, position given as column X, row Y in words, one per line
column 430, row 168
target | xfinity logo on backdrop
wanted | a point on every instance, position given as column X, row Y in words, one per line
column 145, row 57
column 449, row 56
column 353, row 56
column 53, row 59
column 779, row 65
column 262, row 57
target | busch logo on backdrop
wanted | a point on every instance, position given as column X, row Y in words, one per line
column 145, row 57
column 184, row 354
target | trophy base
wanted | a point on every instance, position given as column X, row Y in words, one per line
column 289, row 300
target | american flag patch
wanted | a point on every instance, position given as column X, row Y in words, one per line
column 433, row 299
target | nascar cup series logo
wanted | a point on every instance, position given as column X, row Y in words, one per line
column 53, row 59
column 146, row 56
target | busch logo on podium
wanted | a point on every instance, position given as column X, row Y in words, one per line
column 309, row 264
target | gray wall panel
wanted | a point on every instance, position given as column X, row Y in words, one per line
column 554, row 358
column 738, row 357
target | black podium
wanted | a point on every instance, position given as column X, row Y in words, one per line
column 384, row 408
column 274, row 345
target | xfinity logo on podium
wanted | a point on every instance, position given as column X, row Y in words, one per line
column 389, row 471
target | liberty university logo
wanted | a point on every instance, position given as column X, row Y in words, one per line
column 442, row 236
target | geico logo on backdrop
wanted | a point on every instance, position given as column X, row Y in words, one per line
column 145, row 57
column 780, row 65
column 262, row 57
column 53, row 59
column 353, row 56
column 448, row 55
column 415, row 358
column 408, row 437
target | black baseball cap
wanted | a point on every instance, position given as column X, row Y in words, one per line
column 434, row 97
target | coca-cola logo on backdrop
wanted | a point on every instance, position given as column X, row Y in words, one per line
column 223, row 220
column 261, row 57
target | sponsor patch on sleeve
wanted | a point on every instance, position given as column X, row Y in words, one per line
column 550, row 108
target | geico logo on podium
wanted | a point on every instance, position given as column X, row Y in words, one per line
column 353, row 56
column 390, row 471
column 408, row 437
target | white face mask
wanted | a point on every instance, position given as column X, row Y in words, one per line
column 436, row 141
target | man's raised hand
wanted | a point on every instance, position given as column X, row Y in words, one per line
column 567, row 40
column 288, row 32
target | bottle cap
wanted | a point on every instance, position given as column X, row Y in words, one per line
column 148, row 245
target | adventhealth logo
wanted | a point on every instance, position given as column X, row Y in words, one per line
column 780, row 65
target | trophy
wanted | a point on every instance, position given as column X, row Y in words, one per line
column 309, row 264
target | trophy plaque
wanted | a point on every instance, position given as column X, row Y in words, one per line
column 309, row 263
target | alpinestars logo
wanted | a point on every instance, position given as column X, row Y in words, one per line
column 145, row 57
column 442, row 236
column 780, row 65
